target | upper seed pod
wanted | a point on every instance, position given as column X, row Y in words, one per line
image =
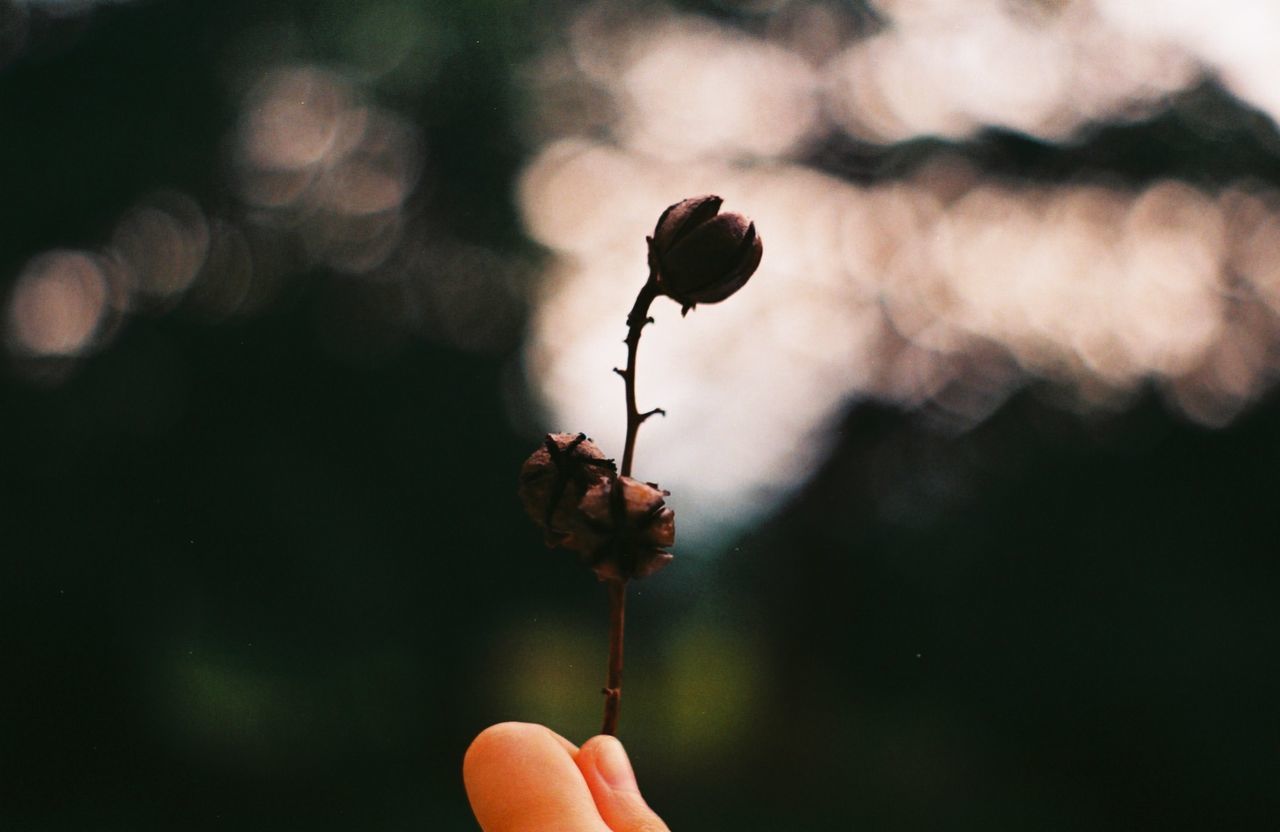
column 554, row 479
column 634, row 527
column 700, row 255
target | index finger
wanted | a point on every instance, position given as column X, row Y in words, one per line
column 523, row 778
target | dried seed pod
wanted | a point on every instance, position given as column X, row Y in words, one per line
column 633, row 527
column 553, row 481
column 700, row 255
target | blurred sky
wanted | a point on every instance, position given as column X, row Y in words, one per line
column 974, row 480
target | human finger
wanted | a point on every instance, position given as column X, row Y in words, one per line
column 522, row 778
column 605, row 766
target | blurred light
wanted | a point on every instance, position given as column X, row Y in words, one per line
column 814, row 31
column 1171, row 303
column 162, row 244
column 951, row 69
column 314, row 158
column 564, row 100
column 1255, row 244
column 464, row 295
column 324, row 177
column 683, row 88
column 358, row 188
column 294, row 117
column 694, row 90
column 564, row 211
column 1234, row 370
column 1236, row 38
column 226, row 282
column 351, row 244
column 946, row 291
column 725, row 370
column 57, row 305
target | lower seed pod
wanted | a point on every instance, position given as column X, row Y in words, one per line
column 633, row 526
column 554, row 479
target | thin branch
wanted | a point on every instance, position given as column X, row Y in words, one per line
column 636, row 321
column 613, row 687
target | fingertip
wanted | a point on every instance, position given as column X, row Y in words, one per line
column 605, row 755
column 500, row 738
column 607, row 769
column 521, row 777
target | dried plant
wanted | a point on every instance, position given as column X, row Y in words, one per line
column 619, row 526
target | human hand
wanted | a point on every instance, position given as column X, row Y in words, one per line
column 527, row 778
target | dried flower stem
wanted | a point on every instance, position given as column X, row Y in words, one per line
column 637, row 319
column 619, row 526
column 613, row 687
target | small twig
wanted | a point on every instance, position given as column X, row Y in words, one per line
column 636, row 321
column 613, row 687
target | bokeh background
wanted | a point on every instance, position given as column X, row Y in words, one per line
column 976, row 480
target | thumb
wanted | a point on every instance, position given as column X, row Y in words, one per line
column 608, row 773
